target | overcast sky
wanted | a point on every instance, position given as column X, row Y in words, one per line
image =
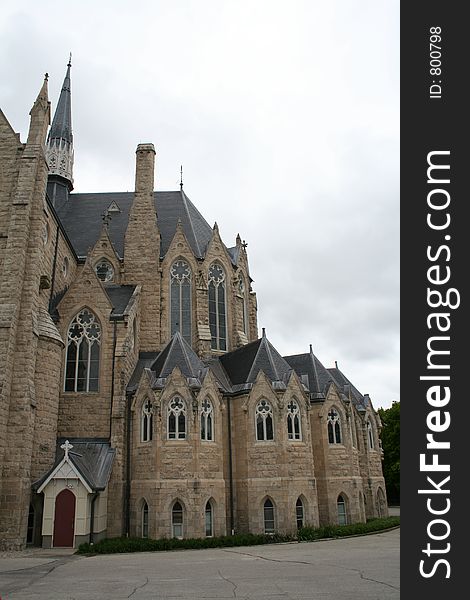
column 285, row 117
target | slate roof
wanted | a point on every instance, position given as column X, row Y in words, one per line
column 318, row 377
column 243, row 365
column 145, row 361
column 341, row 380
column 119, row 296
column 81, row 217
column 92, row 457
column 178, row 353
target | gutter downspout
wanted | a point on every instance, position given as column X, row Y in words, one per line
column 127, row 497
column 230, row 465
column 92, row 517
column 112, row 379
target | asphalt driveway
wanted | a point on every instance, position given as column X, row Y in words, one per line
column 358, row 568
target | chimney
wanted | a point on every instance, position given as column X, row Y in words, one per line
column 144, row 169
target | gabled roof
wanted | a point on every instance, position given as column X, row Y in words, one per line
column 178, row 353
column 82, row 219
column 92, row 458
column 119, row 296
column 341, row 381
column 243, row 365
column 311, row 372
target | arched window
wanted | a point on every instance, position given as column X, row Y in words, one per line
column 83, row 353
column 264, row 421
column 145, row 520
column 370, row 435
column 334, row 427
column 299, row 513
column 177, row 520
column 209, row 520
column 177, row 419
column 242, row 293
column 207, row 420
column 146, row 421
column 341, row 507
column 217, row 308
column 293, row 421
column 268, row 513
column 180, row 300
column 104, row 270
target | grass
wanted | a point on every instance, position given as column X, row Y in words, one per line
column 119, row 545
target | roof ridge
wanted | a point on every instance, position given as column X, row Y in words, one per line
column 183, row 196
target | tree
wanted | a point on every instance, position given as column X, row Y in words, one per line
column 390, row 436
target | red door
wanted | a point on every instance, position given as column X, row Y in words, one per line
column 64, row 519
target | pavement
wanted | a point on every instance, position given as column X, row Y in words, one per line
column 355, row 568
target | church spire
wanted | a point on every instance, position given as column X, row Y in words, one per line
column 59, row 150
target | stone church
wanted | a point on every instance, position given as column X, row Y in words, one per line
column 136, row 395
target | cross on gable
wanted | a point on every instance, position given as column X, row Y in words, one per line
column 66, row 446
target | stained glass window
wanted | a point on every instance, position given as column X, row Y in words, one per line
column 177, row 419
column 264, row 421
column 180, row 300
column 217, row 308
column 207, row 420
column 334, row 427
column 83, row 353
column 104, row 270
column 293, row 421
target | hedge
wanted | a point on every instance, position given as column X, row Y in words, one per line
column 116, row 545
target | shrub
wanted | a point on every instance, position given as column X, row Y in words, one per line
column 115, row 545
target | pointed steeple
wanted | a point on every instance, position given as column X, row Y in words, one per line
column 40, row 116
column 59, row 150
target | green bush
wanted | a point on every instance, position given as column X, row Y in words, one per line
column 331, row 531
column 114, row 545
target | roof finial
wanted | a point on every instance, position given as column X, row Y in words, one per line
column 66, row 447
column 106, row 219
column 69, row 64
column 181, row 178
column 336, row 363
column 264, row 332
column 46, row 76
column 311, row 350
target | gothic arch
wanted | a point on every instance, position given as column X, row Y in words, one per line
column 83, row 352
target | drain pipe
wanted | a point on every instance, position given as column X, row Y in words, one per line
column 230, row 465
column 92, row 517
column 127, row 499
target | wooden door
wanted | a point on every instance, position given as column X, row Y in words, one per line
column 64, row 519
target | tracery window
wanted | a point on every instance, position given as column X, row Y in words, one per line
column 370, row 435
column 177, row 520
column 299, row 513
column 145, row 520
column 268, row 514
column 83, row 353
column 207, row 420
column 293, row 421
column 341, row 507
column 180, row 299
column 104, row 270
column 209, row 520
column 264, row 421
column 217, row 307
column 177, row 419
column 242, row 293
column 146, row 421
column 334, row 427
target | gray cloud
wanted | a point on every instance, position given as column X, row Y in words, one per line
column 285, row 118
